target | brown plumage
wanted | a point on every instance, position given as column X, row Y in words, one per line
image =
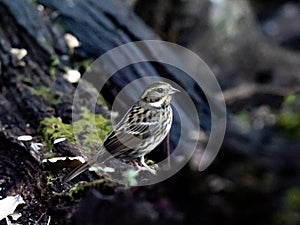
column 143, row 128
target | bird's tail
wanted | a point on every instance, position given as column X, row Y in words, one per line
column 99, row 158
column 78, row 170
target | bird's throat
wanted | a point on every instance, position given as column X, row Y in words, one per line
column 161, row 103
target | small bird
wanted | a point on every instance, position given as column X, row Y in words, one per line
column 142, row 129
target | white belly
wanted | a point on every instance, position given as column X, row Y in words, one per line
column 157, row 140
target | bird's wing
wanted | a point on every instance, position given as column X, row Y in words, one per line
column 131, row 130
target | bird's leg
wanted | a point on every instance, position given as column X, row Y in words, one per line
column 146, row 166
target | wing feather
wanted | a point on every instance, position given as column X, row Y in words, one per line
column 131, row 130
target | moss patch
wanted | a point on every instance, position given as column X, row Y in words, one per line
column 55, row 62
column 89, row 131
column 46, row 94
column 293, row 199
column 288, row 118
column 53, row 128
column 289, row 213
column 84, row 64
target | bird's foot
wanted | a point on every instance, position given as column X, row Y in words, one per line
column 147, row 168
column 144, row 167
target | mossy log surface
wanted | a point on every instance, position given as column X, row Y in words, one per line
column 33, row 88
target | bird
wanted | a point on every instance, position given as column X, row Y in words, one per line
column 145, row 125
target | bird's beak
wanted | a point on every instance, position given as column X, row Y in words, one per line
column 173, row 91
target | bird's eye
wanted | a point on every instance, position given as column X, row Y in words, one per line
column 159, row 90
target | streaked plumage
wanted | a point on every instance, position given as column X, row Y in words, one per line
column 143, row 128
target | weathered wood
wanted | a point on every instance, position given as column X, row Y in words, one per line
column 101, row 26
column 23, row 26
column 118, row 25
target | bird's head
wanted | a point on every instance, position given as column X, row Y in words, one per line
column 158, row 94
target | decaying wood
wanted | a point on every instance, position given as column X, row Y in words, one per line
column 99, row 26
column 39, row 33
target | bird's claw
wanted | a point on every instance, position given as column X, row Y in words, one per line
column 147, row 168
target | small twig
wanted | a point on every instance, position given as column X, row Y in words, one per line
column 40, row 218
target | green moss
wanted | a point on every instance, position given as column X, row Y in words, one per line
column 46, row 94
column 101, row 101
column 245, row 120
column 290, row 99
column 55, row 62
column 76, row 189
column 79, row 189
column 89, row 131
column 53, row 128
column 289, row 212
column 293, row 199
column 49, row 178
column 27, row 80
column 50, row 154
column 288, row 119
column 85, row 64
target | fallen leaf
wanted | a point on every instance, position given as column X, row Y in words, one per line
column 9, row 204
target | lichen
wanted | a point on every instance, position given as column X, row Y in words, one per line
column 130, row 177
